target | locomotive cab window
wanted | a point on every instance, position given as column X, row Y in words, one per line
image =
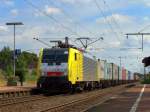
column 55, row 56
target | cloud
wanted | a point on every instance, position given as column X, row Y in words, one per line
column 24, row 37
column 48, row 10
column 146, row 18
column 68, row 1
column 114, row 44
column 76, row 1
column 3, row 28
column 52, row 10
column 14, row 12
column 143, row 2
column 26, row 40
column 121, row 19
column 38, row 14
column 7, row 2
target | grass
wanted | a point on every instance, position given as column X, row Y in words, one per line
column 31, row 79
column 146, row 81
column 2, row 79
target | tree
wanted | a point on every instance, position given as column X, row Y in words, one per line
column 6, row 61
column 24, row 62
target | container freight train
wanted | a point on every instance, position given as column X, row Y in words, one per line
column 70, row 69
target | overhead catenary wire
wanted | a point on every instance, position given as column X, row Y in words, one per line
column 144, row 28
column 114, row 20
column 42, row 42
column 118, row 26
column 51, row 17
column 105, row 18
column 69, row 17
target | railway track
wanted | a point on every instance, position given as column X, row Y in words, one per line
column 69, row 106
column 24, row 99
column 17, row 100
column 58, row 103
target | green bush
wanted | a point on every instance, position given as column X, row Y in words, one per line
column 146, row 81
column 32, row 76
column 3, row 78
column 24, row 62
column 12, row 81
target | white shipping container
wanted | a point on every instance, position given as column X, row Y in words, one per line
column 115, row 72
column 109, row 71
column 132, row 76
column 105, row 71
column 99, row 70
column 120, row 73
column 102, row 69
column 129, row 75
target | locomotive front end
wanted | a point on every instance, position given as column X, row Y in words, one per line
column 54, row 70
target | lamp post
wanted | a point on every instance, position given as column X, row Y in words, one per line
column 14, row 55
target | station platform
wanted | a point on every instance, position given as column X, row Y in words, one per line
column 15, row 88
column 15, row 91
column 135, row 99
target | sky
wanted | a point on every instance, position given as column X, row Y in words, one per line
column 56, row 19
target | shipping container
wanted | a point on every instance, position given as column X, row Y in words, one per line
column 120, row 73
column 98, row 70
column 127, row 75
column 89, row 69
column 109, row 71
column 132, row 76
column 105, row 71
column 102, row 69
column 115, row 72
column 123, row 74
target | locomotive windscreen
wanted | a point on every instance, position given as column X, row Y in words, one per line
column 55, row 55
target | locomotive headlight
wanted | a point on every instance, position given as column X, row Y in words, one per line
column 65, row 73
column 42, row 73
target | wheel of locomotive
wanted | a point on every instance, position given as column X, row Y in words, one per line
column 79, row 87
column 89, row 87
column 66, row 88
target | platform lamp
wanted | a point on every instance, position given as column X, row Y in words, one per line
column 14, row 55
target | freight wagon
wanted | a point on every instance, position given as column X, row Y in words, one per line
column 120, row 75
column 104, row 80
column 123, row 75
column 115, row 74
